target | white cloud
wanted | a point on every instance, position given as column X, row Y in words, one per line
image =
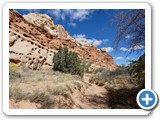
column 62, row 14
column 92, row 41
column 137, row 47
column 72, row 14
column 80, row 14
column 127, row 36
column 119, row 58
column 124, row 49
column 57, row 13
column 109, row 49
column 80, row 37
column 97, row 42
column 72, row 24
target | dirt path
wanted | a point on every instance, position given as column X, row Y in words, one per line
column 94, row 97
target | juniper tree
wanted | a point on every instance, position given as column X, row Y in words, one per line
column 67, row 62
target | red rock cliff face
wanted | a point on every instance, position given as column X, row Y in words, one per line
column 40, row 45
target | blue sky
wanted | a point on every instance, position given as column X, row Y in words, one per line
column 92, row 25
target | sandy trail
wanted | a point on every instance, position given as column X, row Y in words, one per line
column 94, row 97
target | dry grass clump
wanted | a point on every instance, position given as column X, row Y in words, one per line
column 116, row 79
column 41, row 98
column 115, row 82
column 16, row 93
column 58, row 90
column 50, row 89
column 118, row 82
column 45, row 75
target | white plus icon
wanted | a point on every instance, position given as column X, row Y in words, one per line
column 147, row 99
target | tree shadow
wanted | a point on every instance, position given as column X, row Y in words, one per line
column 123, row 98
column 114, row 99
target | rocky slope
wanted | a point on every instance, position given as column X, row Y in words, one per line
column 34, row 39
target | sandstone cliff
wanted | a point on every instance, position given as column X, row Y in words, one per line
column 34, row 39
column 45, row 22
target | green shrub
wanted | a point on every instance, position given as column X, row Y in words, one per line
column 137, row 71
column 67, row 62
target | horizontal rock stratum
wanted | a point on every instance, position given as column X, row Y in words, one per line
column 34, row 39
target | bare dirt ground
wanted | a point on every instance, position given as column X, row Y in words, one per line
column 94, row 97
column 24, row 104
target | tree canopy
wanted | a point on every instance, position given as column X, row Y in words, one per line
column 130, row 26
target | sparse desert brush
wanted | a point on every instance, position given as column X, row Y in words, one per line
column 64, row 77
column 57, row 90
column 33, row 76
column 14, row 71
column 78, row 85
column 41, row 98
column 121, row 70
column 102, row 76
column 86, row 66
column 100, row 70
column 16, row 93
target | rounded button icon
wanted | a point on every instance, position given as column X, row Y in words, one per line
column 147, row 99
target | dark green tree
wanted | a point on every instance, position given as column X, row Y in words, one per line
column 67, row 62
column 137, row 71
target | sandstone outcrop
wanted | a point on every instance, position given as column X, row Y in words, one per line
column 45, row 22
column 34, row 42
